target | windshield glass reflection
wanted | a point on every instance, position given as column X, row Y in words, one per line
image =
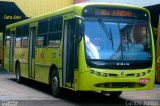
column 107, row 40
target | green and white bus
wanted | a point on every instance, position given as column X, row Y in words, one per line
column 84, row 47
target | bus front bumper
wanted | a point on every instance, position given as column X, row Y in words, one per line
column 95, row 82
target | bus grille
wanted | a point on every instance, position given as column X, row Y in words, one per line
column 120, row 85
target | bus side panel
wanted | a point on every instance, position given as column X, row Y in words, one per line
column 45, row 57
column 6, row 58
column 43, row 62
column 21, row 55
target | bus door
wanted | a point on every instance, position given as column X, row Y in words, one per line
column 31, row 66
column 68, row 53
column 11, row 52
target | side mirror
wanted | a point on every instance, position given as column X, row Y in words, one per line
column 79, row 28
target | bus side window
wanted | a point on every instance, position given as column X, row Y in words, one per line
column 7, row 39
column 55, row 31
column 42, row 33
column 18, row 36
column 25, row 36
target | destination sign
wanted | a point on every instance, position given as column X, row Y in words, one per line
column 115, row 12
column 126, row 13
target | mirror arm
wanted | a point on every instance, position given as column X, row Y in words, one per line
column 79, row 17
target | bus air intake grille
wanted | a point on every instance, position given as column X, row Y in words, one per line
column 120, row 85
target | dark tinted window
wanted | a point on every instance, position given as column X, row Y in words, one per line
column 7, row 38
column 25, row 36
column 18, row 36
column 55, row 24
column 55, row 31
column 43, row 27
column 26, row 30
column 54, row 39
column 42, row 33
column 42, row 40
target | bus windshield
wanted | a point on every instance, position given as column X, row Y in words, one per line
column 117, row 40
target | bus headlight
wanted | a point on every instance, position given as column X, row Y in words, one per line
column 91, row 71
column 104, row 75
column 137, row 75
column 98, row 73
column 149, row 71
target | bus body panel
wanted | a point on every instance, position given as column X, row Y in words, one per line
column 21, row 55
column 9, row 51
column 100, row 83
column 45, row 57
column 6, row 58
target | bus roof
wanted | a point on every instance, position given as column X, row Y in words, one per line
column 76, row 8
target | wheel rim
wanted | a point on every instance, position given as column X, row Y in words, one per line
column 55, row 84
column 18, row 74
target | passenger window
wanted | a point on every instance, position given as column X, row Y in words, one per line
column 7, row 39
column 43, row 26
column 25, row 36
column 42, row 33
column 18, row 37
column 54, row 39
column 55, row 31
column 42, row 40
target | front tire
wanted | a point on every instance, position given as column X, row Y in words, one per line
column 112, row 93
column 115, row 93
column 54, row 83
column 18, row 74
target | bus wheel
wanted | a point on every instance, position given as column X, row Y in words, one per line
column 18, row 75
column 112, row 93
column 55, row 86
column 115, row 93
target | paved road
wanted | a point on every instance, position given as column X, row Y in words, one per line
column 31, row 93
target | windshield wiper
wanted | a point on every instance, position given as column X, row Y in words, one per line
column 107, row 32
